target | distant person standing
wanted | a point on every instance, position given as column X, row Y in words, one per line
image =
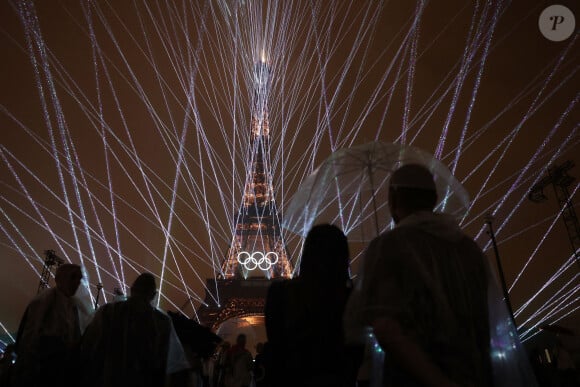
column 49, row 334
column 239, row 364
column 131, row 343
column 220, row 365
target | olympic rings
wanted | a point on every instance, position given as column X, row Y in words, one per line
column 257, row 259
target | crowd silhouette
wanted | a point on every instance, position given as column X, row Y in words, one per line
column 425, row 300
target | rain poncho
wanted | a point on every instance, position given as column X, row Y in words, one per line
column 49, row 335
column 239, row 365
column 130, row 343
column 50, row 314
column 436, row 283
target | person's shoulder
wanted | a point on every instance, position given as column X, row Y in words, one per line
column 390, row 237
column 471, row 247
column 42, row 298
column 161, row 315
column 247, row 354
column 110, row 309
column 469, row 241
column 111, row 306
column 403, row 230
column 163, row 321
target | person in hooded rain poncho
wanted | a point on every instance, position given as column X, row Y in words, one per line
column 49, row 334
column 132, row 343
column 428, row 294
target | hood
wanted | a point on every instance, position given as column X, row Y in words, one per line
column 440, row 225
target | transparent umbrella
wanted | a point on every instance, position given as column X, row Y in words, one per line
column 350, row 189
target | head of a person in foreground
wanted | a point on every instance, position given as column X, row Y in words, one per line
column 411, row 189
column 325, row 255
column 144, row 287
column 68, row 277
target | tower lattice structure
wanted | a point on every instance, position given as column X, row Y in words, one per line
column 51, row 260
column 257, row 248
column 560, row 180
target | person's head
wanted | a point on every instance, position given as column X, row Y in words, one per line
column 144, row 287
column 241, row 340
column 411, row 189
column 325, row 255
column 68, row 278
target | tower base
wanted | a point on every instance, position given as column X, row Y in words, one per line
column 238, row 298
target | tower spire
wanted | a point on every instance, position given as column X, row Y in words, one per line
column 257, row 247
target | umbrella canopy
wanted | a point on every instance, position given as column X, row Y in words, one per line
column 350, row 189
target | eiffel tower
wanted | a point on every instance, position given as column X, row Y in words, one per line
column 257, row 254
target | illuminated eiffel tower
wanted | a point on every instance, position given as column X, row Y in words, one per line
column 257, row 253
column 257, row 247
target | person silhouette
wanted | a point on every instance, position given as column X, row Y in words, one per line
column 132, row 343
column 427, row 292
column 304, row 315
column 49, row 334
column 239, row 364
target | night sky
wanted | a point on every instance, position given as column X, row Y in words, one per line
column 125, row 126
